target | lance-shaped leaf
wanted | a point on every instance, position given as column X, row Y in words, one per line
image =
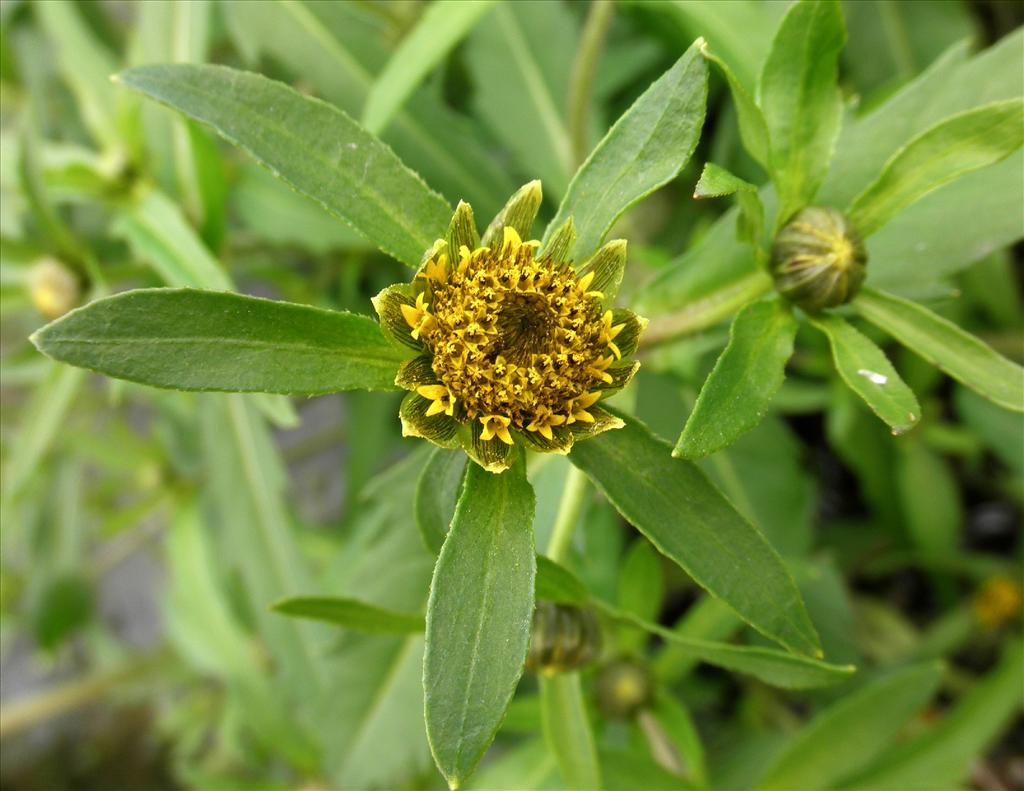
column 646, row 148
column 748, row 373
column 441, row 27
column 868, row 372
column 800, row 100
column 186, row 339
column 850, row 734
column 686, row 518
column 774, row 667
column 942, row 755
column 567, row 730
column 478, row 618
column 351, row 614
column 941, row 342
column 316, row 148
column 437, row 492
column 753, row 130
column 557, row 583
column 950, row 149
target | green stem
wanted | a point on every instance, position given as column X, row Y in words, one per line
column 26, row 713
column 568, row 515
column 591, row 42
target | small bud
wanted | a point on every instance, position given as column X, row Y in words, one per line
column 53, row 288
column 623, row 687
column 818, row 260
column 564, row 638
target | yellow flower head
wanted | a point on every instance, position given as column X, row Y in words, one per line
column 513, row 340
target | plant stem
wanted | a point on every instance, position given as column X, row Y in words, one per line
column 580, row 82
column 28, row 712
column 568, row 515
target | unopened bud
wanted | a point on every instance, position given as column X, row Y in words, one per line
column 54, row 288
column 818, row 260
column 564, row 638
column 623, row 688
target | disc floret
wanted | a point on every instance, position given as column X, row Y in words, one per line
column 514, row 342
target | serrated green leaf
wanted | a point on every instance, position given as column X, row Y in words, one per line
column 350, row 614
column 748, row 373
column 800, row 100
column 950, row 149
column 442, row 26
column 852, row 732
column 942, row 756
column 338, row 48
column 314, row 147
column 687, row 519
column 941, row 342
column 868, row 372
column 646, row 148
column 437, row 492
column 774, row 667
column 478, row 618
column 186, row 339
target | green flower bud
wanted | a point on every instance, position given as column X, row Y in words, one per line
column 818, row 260
column 623, row 687
column 564, row 638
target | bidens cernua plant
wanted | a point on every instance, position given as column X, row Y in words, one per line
column 515, row 344
column 503, row 343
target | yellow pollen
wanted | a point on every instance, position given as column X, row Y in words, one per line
column 517, row 342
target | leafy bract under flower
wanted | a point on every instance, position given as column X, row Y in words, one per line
column 514, row 342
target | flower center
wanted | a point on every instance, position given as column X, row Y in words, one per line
column 515, row 336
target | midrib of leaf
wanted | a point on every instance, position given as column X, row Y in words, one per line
column 402, row 120
column 483, row 611
column 726, row 550
column 381, row 694
column 222, row 342
column 259, row 489
column 545, row 103
column 357, row 186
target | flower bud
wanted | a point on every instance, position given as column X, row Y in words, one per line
column 623, row 687
column 564, row 638
column 53, row 288
column 818, row 260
